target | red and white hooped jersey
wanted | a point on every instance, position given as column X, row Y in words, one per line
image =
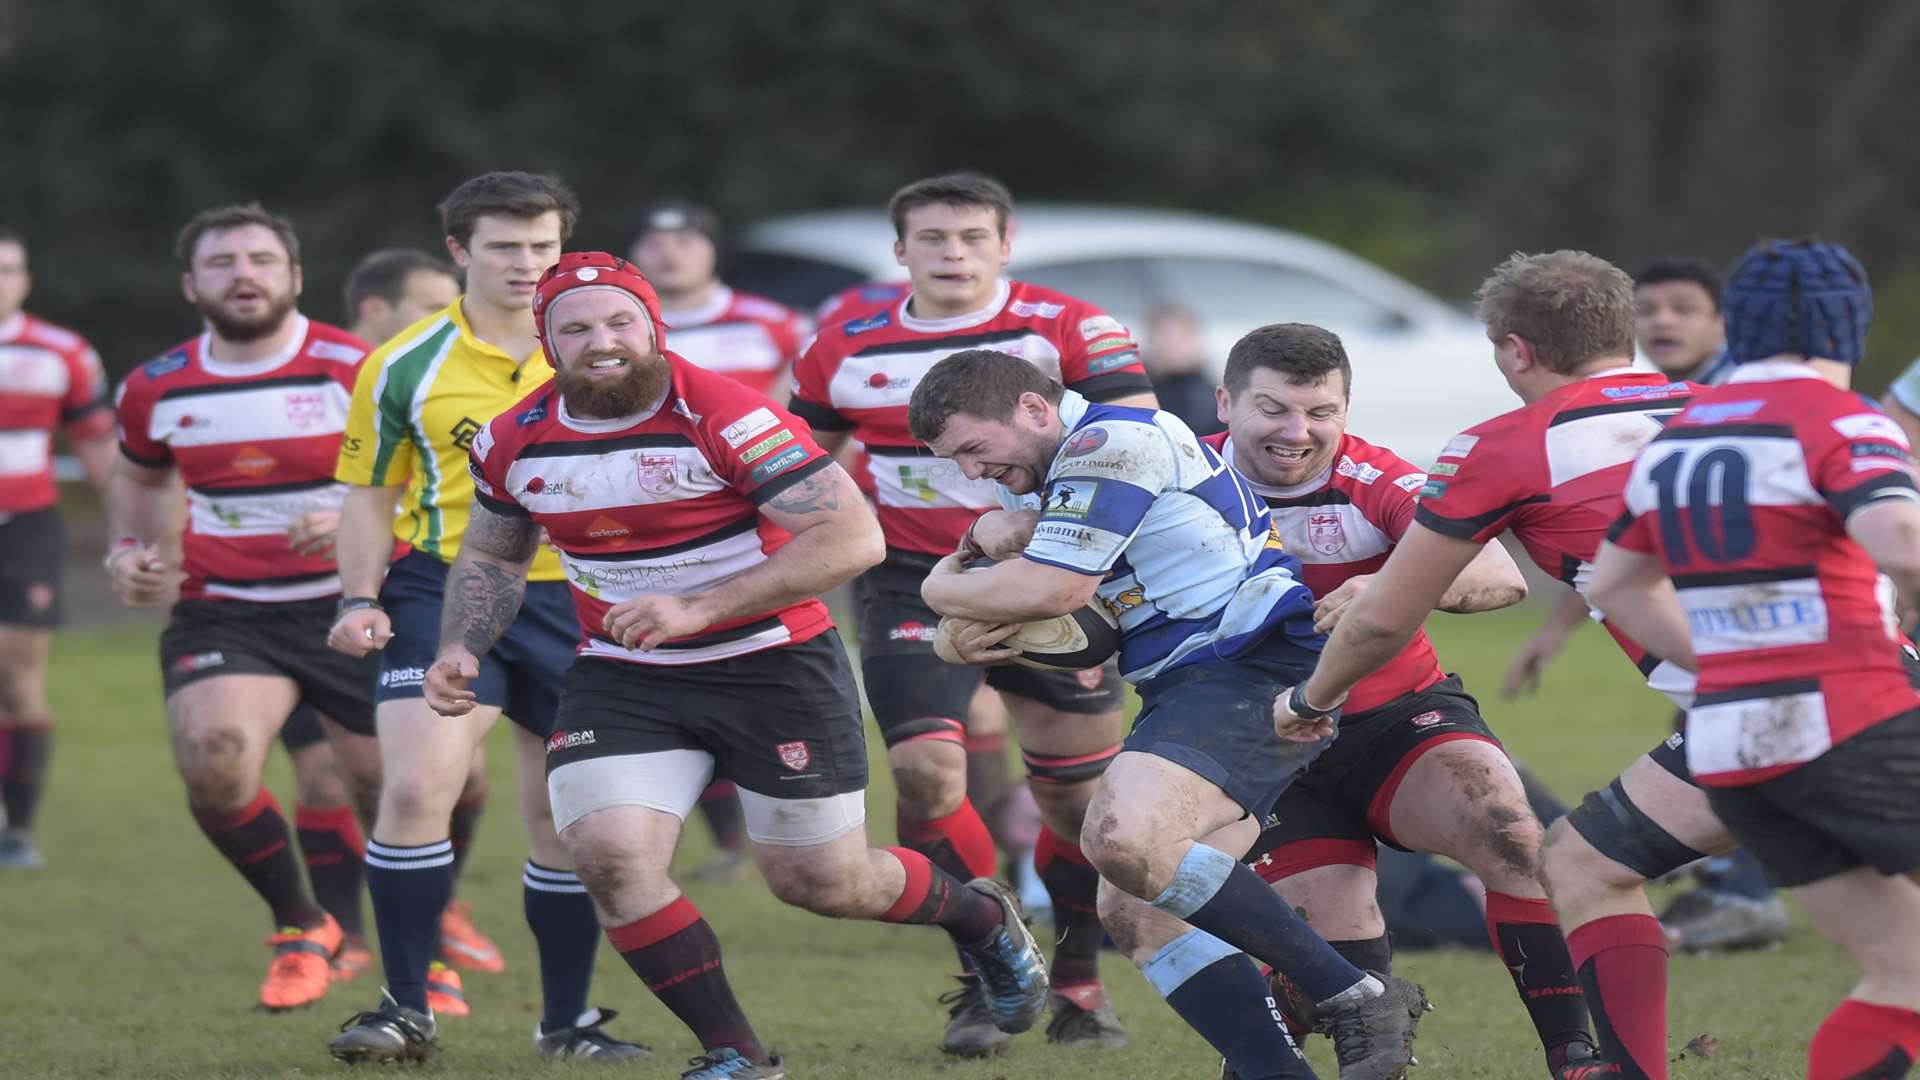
column 1343, row 524
column 859, row 374
column 1553, row 472
column 255, row 445
column 1745, row 498
column 49, row 378
column 750, row 338
column 666, row 504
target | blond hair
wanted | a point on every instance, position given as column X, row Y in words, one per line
column 1572, row 307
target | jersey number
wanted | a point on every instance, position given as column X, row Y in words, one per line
column 1717, row 514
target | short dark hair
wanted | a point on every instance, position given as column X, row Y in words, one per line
column 239, row 215
column 1667, row 268
column 11, row 235
column 384, row 274
column 982, row 383
column 507, row 194
column 1301, row 353
column 953, row 189
column 1571, row 306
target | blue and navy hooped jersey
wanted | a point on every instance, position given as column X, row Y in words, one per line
column 1189, row 562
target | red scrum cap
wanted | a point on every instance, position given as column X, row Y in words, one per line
column 595, row 270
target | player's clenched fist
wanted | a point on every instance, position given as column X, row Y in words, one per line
column 447, row 680
column 645, row 621
column 139, row 575
column 359, row 631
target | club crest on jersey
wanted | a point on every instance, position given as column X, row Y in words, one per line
column 1086, row 441
column 658, row 473
column 306, row 408
column 794, row 755
column 1325, row 533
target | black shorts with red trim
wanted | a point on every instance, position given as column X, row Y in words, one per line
column 783, row 722
column 916, row 695
column 33, row 552
column 205, row 639
column 1339, row 808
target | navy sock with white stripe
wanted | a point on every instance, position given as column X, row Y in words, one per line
column 1220, row 994
column 410, row 887
column 567, row 934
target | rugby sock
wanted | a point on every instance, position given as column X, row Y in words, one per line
column 1622, row 961
column 1527, row 939
column 957, row 843
column 934, row 896
column 334, row 850
column 720, row 806
column 1073, row 884
column 567, row 933
column 1863, row 1041
column 256, row 841
column 1215, row 892
column 676, row 954
column 410, row 887
column 1220, row 994
column 1373, row 954
column 462, row 825
column 25, row 772
column 989, row 780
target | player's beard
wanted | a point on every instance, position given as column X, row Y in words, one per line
column 589, row 398
column 231, row 327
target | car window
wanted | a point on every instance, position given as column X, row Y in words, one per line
column 795, row 282
column 1237, row 292
column 1117, row 286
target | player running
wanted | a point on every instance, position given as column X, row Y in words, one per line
column 1142, row 516
column 698, row 523
column 248, row 415
column 1756, row 526
column 855, row 380
column 50, row 378
column 1562, row 329
column 419, row 402
column 1415, row 765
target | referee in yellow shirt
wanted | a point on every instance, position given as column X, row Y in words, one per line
column 419, row 401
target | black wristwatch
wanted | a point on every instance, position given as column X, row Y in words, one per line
column 1297, row 705
column 355, row 603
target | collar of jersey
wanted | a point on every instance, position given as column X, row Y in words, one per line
column 457, row 311
column 1304, row 487
column 1770, row 371
column 699, row 316
column 957, row 322
column 241, row 371
column 13, row 325
column 1073, row 409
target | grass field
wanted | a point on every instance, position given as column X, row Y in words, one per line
column 137, row 953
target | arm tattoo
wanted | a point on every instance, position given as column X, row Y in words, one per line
column 480, row 603
column 505, row 537
column 823, row 491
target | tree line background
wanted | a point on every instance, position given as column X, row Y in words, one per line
column 1431, row 137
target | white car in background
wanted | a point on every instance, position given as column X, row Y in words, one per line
column 1423, row 370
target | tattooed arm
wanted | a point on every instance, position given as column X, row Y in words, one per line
column 484, row 589
column 835, row 537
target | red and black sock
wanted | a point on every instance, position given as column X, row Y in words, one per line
column 256, row 841
column 933, row 896
column 1863, row 1041
column 676, row 954
column 23, row 771
column 335, row 852
column 1074, row 886
column 1527, row 939
column 1622, row 961
column 720, row 806
column 957, row 843
column 462, row 825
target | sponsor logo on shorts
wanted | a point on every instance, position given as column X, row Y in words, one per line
column 406, row 676
column 569, row 740
column 1676, row 740
column 200, row 661
column 1428, row 719
column 794, row 755
column 748, row 426
column 1089, row 678
column 1040, row 310
column 911, row 631
column 1086, row 441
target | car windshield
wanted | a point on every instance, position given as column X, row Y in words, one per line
column 1222, row 292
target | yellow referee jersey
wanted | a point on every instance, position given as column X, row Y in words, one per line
column 418, row 402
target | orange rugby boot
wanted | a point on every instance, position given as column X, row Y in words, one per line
column 463, row 945
column 352, row 961
column 445, row 996
column 301, row 966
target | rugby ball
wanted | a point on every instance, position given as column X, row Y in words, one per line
column 1083, row 639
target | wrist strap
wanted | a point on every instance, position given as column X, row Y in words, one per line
column 355, row 603
column 967, row 544
column 1298, row 704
